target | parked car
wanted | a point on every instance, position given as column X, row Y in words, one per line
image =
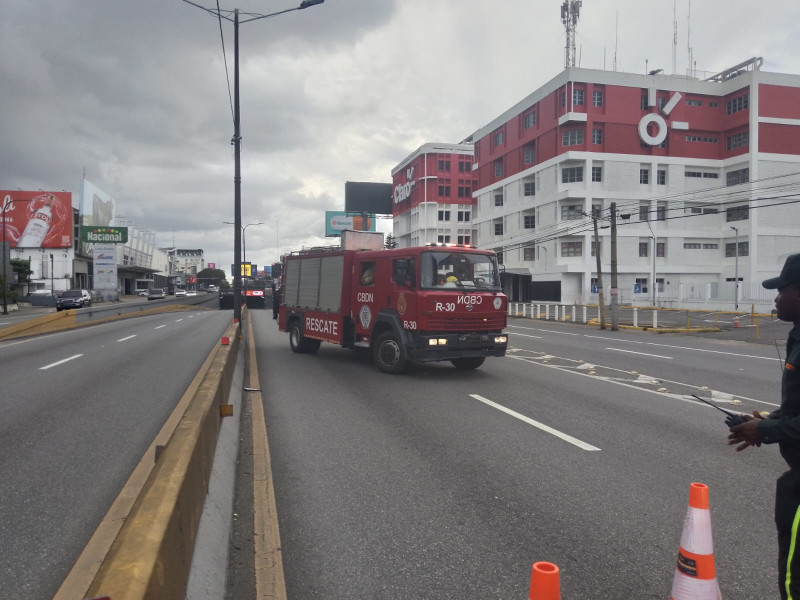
column 156, row 294
column 73, row 299
column 180, row 292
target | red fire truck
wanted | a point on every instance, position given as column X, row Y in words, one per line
column 431, row 303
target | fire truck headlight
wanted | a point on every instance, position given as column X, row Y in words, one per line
column 501, row 339
column 437, row 342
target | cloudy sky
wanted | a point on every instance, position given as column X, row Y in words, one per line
column 135, row 93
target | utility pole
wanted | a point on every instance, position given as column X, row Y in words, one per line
column 600, row 297
column 736, row 272
column 614, row 290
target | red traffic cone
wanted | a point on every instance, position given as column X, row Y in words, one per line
column 544, row 582
column 695, row 574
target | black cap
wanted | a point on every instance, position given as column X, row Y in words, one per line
column 789, row 274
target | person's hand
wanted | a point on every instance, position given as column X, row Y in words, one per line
column 746, row 434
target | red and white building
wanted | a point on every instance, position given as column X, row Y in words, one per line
column 703, row 173
column 433, row 196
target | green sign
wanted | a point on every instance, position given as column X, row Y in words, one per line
column 104, row 235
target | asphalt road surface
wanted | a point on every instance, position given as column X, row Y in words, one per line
column 79, row 410
column 577, row 448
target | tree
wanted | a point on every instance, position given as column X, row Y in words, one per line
column 212, row 276
column 22, row 268
column 391, row 241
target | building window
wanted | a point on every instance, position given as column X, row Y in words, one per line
column 444, row 190
column 597, row 98
column 644, row 212
column 736, row 104
column 661, row 212
column 713, row 104
column 528, row 254
column 644, row 102
column 498, row 168
column 661, row 177
column 596, row 210
column 737, row 213
column 498, row 199
column 529, row 188
column 498, row 138
column 738, row 176
column 529, row 222
column 464, row 166
column 597, row 174
column 693, row 103
column 464, row 216
column 710, row 246
column 570, row 212
column 597, row 136
column 571, row 174
column 444, row 215
column 577, row 97
column 530, row 119
column 464, row 191
column 744, row 249
column 499, row 257
column 444, row 165
column 661, row 249
column 644, row 248
column 644, row 176
column 641, row 284
column 573, row 137
column 444, row 239
column 528, row 154
column 597, row 246
column 701, row 174
column 464, row 239
column 700, row 138
column 738, row 140
column 661, row 102
column 571, row 248
column 691, row 246
column 498, row 228
column 563, row 96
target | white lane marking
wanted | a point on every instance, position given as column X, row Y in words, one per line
column 711, row 351
column 178, row 320
column 191, row 316
column 605, row 337
column 538, row 337
column 159, row 327
column 640, row 353
column 542, row 426
column 5, row 323
column 126, row 338
column 60, row 362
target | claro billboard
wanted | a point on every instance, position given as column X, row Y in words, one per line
column 37, row 219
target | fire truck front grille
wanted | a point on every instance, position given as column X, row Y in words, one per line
column 492, row 322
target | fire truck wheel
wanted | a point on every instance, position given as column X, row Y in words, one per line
column 296, row 339
column 468, row 364
column 389, row 354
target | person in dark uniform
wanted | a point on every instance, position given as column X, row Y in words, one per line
column 783, row 427
column 276, row 302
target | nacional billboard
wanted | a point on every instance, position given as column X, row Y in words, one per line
column 37, row 219
column 338, row 221
column 103, row 235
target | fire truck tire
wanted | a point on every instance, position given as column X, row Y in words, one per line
column 468, row 364
column 389, row 354
column 297, row 341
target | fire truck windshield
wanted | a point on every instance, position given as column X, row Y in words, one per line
column 454, row 269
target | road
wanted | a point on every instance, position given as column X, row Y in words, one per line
column 79, row 409
column 578, row 448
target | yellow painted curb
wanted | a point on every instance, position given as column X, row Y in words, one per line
column 152, row 554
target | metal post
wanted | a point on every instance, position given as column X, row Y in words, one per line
column 5, row 282
column 52, row 288
column 600, row 297
column 237, row 179
column 614, row 290
column 736, row 274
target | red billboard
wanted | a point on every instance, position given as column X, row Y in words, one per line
column 37, row 219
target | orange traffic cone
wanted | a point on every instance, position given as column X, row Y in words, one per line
column 544, row 582
column 695, row 575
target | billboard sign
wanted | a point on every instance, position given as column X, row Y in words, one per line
column 105, row 267
column 91, row 234
column 363, row 196
column 212, row 265
column 247, row 269
column 338, row 221
column 37, row 219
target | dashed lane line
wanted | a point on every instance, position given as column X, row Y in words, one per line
column 60, row 362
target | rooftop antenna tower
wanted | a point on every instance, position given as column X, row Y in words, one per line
column 674, row 35
column 570, row 12
column 616, row 40
column 689, row 39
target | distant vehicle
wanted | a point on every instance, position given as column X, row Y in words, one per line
column 180, row 292
column 212, row 288
column 191, row 293
column 73, row 299
column 143, row 292
column 156, row 294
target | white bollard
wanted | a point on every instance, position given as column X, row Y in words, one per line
column 573, row 313
column 546, row 312
column 584, row 315
column 635, row 317
column 537, row 311
column 655, row 319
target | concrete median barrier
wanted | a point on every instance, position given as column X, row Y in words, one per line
column 151, row 556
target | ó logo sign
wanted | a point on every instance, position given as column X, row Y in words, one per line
column 403, row 192
column 659, row 122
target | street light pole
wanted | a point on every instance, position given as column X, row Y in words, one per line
column 244, row 244
column 736, row 267
column 237, row 140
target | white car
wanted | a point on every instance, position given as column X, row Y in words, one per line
column 191, row 293
column 180, row 293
